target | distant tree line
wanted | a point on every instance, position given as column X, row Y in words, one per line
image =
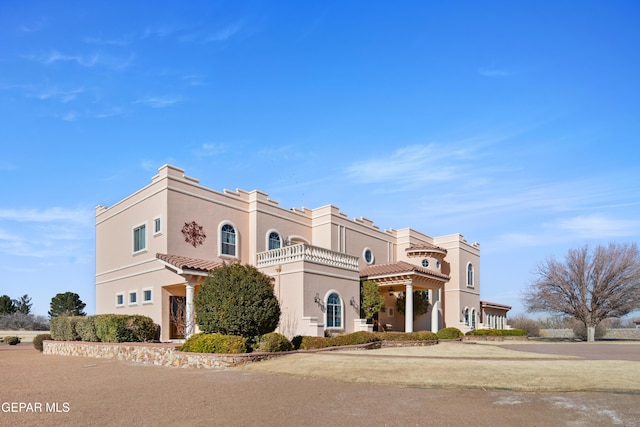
column 15, row 314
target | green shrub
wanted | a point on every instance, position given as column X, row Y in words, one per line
column 313, row 343
column 513, row 333
column 485, row 333
column 11, row 340
column 142, row 328
column 449, row 333
column 407, row 336
column 63, row 328
column 124, row 328
column 425, row 336
column 274, row 342
column 237, row 299
column 297, row 342
column 361, row 337
column 37, row 341
column 215, row 343
column 86, row 329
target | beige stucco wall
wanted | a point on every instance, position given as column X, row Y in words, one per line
column 177, row 199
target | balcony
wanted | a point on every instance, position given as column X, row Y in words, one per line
column 304, row 252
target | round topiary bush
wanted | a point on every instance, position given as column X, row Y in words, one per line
column 449, row 333
column 12, row 340
column 274, row 342
column 237, row 299
column 37, row 341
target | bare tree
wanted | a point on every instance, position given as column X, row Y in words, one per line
column 590, row 285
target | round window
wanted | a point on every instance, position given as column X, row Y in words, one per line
column 368, row 256
column 425, row 263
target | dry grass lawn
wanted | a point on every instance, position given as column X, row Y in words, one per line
column 455, row 365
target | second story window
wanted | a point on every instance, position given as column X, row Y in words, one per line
column 228, row 240
column 274, row 241
column 139, row 238
column 470, row 275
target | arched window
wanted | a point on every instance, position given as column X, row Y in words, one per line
column 274, row 241
column 228, row 240
column 470, row 274
column 466, row 316
column 334, row 311
column 473, row 318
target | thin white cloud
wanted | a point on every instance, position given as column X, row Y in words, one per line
column 209, row 150
column 412, row 165
column 224, row 34
column 158, row 101
column 70, row 116
column 85, row 61
column 124, row 41
column 55, row 214
column 61, row 95
column 597, row 226
column 493, row 71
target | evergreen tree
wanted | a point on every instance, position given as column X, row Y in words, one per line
column 7, row 305
column 237, row 299
column 24, row 304
column 67, row 304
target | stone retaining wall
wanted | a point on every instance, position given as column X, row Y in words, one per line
column 168, row 354
column 611, row 334
column 152, row 354
column 493, row 338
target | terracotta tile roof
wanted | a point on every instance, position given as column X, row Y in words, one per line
column 183, row 262
column 495, row 305
column 425, row 247
column 399, row 268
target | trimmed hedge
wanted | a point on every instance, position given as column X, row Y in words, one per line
column 104, row 327
column 124, row 328
column 37, row 341
column 86, row 329
column 63, row 328
column 274, row 342
column 497, row 333
column 449, row 334
column 215, row 343
column 407, row 336
column 362, row 337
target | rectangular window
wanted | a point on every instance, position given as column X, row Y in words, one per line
column 133, row 298
column 157, row 226
column 139, row 238
column 119, row 300
column 146, row 296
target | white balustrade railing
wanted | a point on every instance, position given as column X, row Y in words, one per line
column 304, row 252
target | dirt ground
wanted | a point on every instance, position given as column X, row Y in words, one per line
column 57, row 390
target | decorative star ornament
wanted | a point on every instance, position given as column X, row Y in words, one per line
column 193, row 233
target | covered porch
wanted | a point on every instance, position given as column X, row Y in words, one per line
column 403, row 277
column 178, row 312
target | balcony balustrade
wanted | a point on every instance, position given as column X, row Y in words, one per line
column 304, row 252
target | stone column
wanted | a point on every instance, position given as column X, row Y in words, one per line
column 189, row 315
column 408, row 309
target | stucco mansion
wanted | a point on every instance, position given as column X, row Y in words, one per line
column 155, row 247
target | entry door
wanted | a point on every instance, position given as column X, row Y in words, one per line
column 177, row 317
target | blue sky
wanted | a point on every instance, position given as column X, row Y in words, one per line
column 513, row 123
